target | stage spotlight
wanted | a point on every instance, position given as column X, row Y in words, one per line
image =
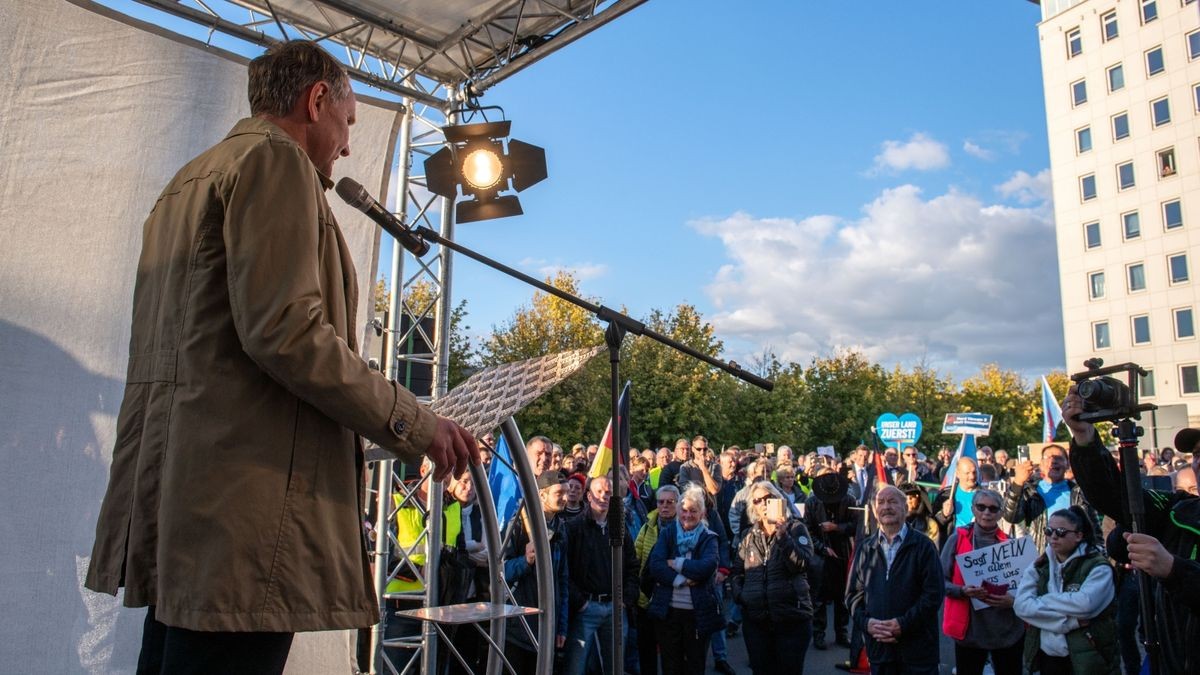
column 475, row 160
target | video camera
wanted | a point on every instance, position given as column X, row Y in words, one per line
column 1107, row 399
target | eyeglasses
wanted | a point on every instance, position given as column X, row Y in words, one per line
column 666, row 501
column 1059, row 532
column 987, row 508
column 759, row 500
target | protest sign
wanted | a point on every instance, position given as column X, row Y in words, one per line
column 974, row 424
column 827, row 451
column 898, row 431
column 1001, row 564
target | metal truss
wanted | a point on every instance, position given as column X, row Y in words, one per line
column 401, row 54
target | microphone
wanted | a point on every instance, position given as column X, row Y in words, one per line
column 356, row 195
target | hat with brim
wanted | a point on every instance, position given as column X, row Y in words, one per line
column 830, row 488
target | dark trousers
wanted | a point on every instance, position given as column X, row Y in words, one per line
column 1053, row 665
column 167, row 650
column 841, row 617
column 777, row 647
column 1006, row 661
column 1128, row 613
column 522, row 660
column 647, row 643
column 683, row 650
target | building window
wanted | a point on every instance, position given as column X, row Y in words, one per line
column 1160, row 111
column 1078, row 93
column 1137, row 277
column 1108, row 25
column 1177, row 268
column 1096, row 285
column 1140, row 329
column 1149, row 10
column 1100, row 338
column 1185, row 323
column 1087, row 187
column 1189, row 379
column 1131, row 225
column 1125, row 179
column 1193, row 44
column 1146, row 384
column 1154, row 62
column 1172, row 214
column 1083, row 140
column 1116, row 77
column 1196, row 96
column 1074, row 43
column 1091, row 235
column 1120, row 125
column 1166, row 163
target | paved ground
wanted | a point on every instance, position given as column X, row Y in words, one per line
column 816, row 662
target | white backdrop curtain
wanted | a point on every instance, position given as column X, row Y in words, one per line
column 95, row 116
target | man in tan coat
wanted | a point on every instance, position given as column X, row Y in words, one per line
column 233, row 509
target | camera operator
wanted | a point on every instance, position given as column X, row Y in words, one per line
column 1165, row 551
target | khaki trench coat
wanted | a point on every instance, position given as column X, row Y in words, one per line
column 233, row 498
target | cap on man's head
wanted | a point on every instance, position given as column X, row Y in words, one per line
column 550, row 479
column 1186, row 440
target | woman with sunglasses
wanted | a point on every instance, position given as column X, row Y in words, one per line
column 770, row 583
column 995, row 629
column 1066, row 597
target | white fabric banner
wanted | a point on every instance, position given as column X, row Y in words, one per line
column 96, row 115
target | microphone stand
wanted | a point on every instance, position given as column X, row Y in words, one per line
column 618, row 325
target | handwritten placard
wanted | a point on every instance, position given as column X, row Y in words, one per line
column 1001, row 564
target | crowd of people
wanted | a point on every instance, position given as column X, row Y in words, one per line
column 795, row 551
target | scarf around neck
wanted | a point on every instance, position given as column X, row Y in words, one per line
column 686, row 541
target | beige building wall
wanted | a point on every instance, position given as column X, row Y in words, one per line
column 1075, row 48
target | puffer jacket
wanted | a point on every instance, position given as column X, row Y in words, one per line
column 769, row 577
column 701, row 568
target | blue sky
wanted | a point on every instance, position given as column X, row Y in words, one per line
column 809, row 175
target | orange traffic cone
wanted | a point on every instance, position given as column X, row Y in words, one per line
column 861, row 664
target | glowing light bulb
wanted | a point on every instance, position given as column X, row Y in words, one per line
column 482, row 168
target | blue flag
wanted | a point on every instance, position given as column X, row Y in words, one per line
column 1051, row 413
column 503, row 482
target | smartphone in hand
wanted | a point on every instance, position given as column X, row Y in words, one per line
column 775, row 508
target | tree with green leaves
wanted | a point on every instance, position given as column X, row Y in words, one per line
column 844, row 395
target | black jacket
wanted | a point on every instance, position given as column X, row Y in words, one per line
column 589, row 562
column 769, row 577
column 1173, row 519
column 912, row 591
column 1023, row 504
column 833, row 578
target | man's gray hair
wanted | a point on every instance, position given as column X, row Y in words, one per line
column 286, row 69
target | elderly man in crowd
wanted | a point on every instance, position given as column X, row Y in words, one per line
column 895, row 591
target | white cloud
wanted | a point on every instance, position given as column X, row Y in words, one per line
column 920, row 152
column 582, row 270
column 1027, row 189
column 977, row 151
column 949, row 279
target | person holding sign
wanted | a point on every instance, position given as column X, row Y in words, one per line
column 1066, row 597
column 995, row 628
